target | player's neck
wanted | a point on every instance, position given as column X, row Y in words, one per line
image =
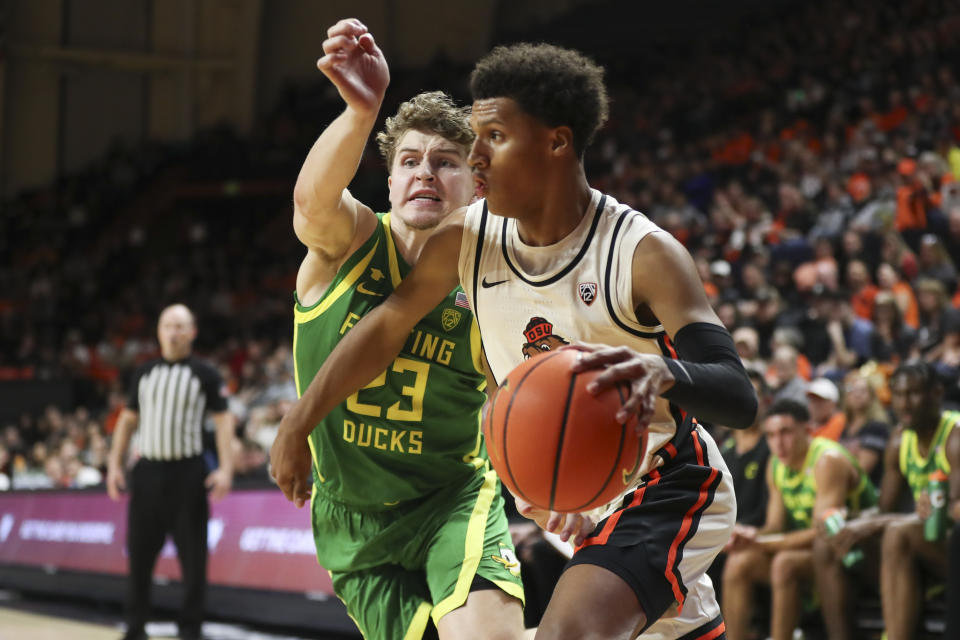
column 408, row 241
column 564, row 203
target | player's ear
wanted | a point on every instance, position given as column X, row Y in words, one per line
column 561, row 140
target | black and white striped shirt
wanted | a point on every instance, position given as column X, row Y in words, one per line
column 171, row 398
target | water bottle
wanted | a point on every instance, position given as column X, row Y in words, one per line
column 833, row 521
column 936, row 523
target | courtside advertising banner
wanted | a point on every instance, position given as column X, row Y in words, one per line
column 256, row 539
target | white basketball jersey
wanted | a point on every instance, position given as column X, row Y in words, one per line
column 533, row 299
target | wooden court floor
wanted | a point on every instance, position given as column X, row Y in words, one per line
column 26, row 625
column 21, row 620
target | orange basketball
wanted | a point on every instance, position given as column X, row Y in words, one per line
column 556, row 445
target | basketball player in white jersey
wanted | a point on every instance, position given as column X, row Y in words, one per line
column 546, row 260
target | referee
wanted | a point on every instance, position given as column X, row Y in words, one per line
column 168, row 398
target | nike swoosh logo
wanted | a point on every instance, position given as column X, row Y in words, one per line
column 487, row 285
column 361, row 288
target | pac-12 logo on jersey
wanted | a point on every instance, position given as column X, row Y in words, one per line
column 540, row 337
column 588, row 292
column 450, row 318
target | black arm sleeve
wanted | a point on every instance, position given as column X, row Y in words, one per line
column 711, row 382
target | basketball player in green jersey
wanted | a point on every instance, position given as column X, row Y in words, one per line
column 407, row 514
column 806, row 478
column 926, row 441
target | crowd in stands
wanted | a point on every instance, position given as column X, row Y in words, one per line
column 810, row 165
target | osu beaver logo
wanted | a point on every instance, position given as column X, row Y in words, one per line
column 540, row 337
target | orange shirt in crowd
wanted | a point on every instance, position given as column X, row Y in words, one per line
column 832, row 428
column 862, row 301
column 911, row 208
column 911, row 314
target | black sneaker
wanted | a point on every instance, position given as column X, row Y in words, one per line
column 135, row 635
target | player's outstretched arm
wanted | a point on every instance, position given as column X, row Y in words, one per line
column 367, row 349
column 325, row 213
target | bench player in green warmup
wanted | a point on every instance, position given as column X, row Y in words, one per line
column 927, row 442
column 407, row 514
column 807, row 478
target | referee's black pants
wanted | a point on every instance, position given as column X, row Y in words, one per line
column 168, row 497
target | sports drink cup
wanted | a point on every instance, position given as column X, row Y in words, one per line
column 833, row 522
column 936, row 523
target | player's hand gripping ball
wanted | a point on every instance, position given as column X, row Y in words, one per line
column 556, row 445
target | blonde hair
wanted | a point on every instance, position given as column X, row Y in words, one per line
column 433, row 112
column 874, row 409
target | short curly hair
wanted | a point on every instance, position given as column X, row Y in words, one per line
column 433, row 112
column 559, row 87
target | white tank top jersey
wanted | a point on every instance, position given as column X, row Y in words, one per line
column 533, row 299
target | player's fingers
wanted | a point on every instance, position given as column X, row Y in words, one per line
column 632, row 406
column 584, row 347
column 286, row 485
column 301, row 492
column 586, row 527
column 627, row 369
column 348, row 26
column 600, row 357
column 574, row 527
column 339, row 44
column 555, row 521
column 369, row 45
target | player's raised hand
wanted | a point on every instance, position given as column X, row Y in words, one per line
column 355, row 65
column 290, row 464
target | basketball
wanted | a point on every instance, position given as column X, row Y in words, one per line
column 556, row 445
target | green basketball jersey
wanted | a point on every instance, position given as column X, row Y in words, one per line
column 798, row 489
column 416, row 426
column 917, row 469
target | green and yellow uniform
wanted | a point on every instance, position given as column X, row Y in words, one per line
column 798, row 489
column 406, row 509
column 917, row 469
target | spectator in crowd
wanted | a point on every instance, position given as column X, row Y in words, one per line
column 889, row 281
column 926, row 442
column 866, row 425
column 851, row 337
column 823, row 401
column 893, row 339
column 935, row 314
column 169, row 481
column 935, row 263
column 748, row 346
column 786, row 381
column 951, row 243
column 806, row 478
column 946, row 362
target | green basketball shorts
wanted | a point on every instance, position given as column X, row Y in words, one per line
column 395, row 568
